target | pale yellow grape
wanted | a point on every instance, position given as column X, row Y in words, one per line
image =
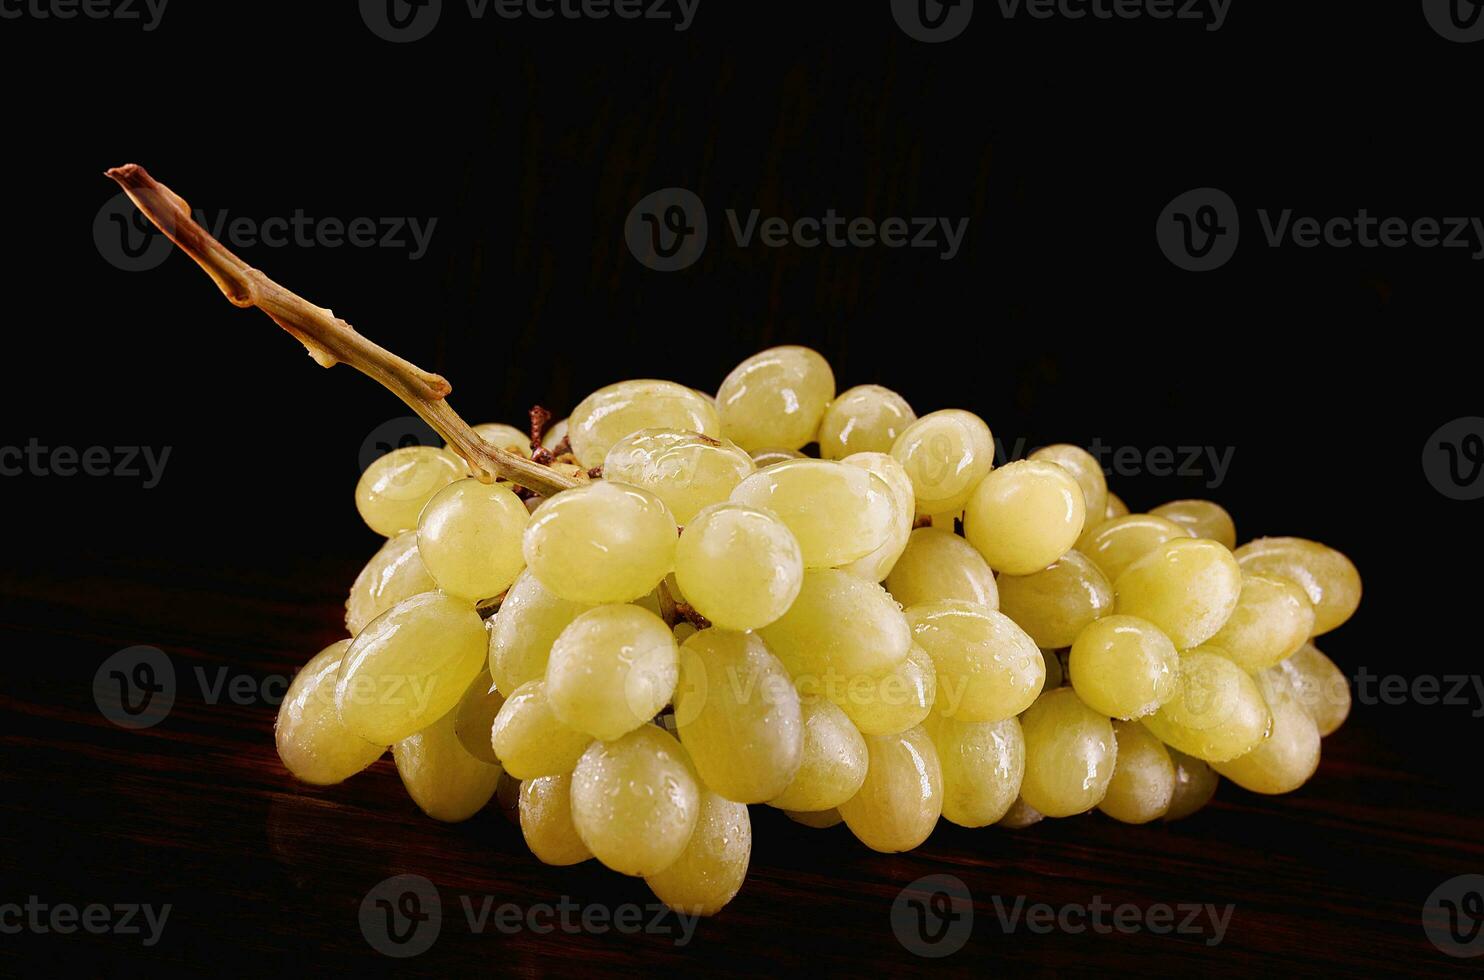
column 1056, row 674
column 892, row 702
column 635, row 801
column 776, row 398
column 684, row 631
column 1124, row 667
column 839, row 627
column 1217, row 712
column 1056, row 603
column 1070, row 753
column 469, row 537
column 1320, row 687
column 1203, row 518
column 947, row 521
column 1143, row 782
column 818, row 819
column 1086, row 470
column 686, row 470
column 394, row 573
column 738, row 716
column 902, row 797
column 1025, row 516
column 410, row 667
column 611, row 670
column 1116, row 507
column 1021, row 815
column 529, row 740
column 739, row 566
column 443, row 779
column 1285, row 760
column 522, row 632
column 939, row 564
column 1195, row 784
column 546, row 821
column 865, row 419
column 879, row 563
column 710, row 871
column 762, row 458
column 609, row 414
column 312, row 742
column 983, row 763
column 392, row 491
column 988, row 668
column 838, row 513
column 506, row 437
column 832, row 761
column 946, row 454
column 1117, row 543
column 474, row 717
column 554, row 434
column 1187, row 587
column 1272, row 620
column 1330, row 579
column 602, row 542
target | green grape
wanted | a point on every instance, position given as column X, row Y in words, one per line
column 609, row 414
column 392, row 491
column 506, row 437
column 636, row 801
column 611, row 670
column 555, row 433
column 902, row 797
column 1124, row 667
column 1116, row 507
column 939, row 564
column 684, row 631
column 394, row 573
column 776, row 398
column 312, row 742
column 546, row 821
column 1021, row 815
column 410, row 667
column 1143, row 782
column 988, row 669
column 1330, row 579
column 710, row 871
column 1285, row 760
column 1202, row 518
column 686, row 470
column 474, row 718
column 983, row 763
column 469, row 537
column 1187, row 587
column 763, row 458
column 522, row 632
column 865, row 419
column 1272, row 620
column 875, row 566
column 1195, row 784
column 738, row 716
column 819, row 819
column 1056, row 674
column 1025, row 516
column 838, row 513
column 1056, row 603
column 1086, row 470
column 1320, row 687
column 1070, row 753
column 443, row 779
column 947, row 454
column 601, row 542
column 1217, row 712
column 832, row 762
column 893, row 702
column 839, row 626
column 529, row 740
column 739, row 566
column 1119, row 542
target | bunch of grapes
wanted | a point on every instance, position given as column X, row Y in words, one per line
column 891, row 632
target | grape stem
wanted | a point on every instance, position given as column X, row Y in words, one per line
column 329, row 339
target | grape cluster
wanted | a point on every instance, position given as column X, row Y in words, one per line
column 891, row 633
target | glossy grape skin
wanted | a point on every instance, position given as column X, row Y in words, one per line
column 1024, row 516
column 1124, row 667
column 686, row 470
column 1187, row 587
column 818, row 819
column 635, row 801
column 738, row 716
column 1056, row 603
column 392, row 491
column 902, row 796
column 839, row 627
column 988, row 668
column 1143, row 782
column 739, row 566
column 469, row 537
column 506, row 437
column 311, row 740
column 865, row 419
column 776, row 398
column 837, row 512
column 443, row 779
column 1021, row 815
column 1070, row 753
column 609, row 414
column 1285, row 760
column 1320, row 687
column 710, row 871
column 1202, row 518
column 1116, row 507
column 394, row 573
column 1117, row 543
column 1272, row 620
column 983, row 764
column 1086, row 470
column 1195, row 784
column 409, row 667
column 474, row 718
column 893, row 702
column 1330, row 579
column 938, row 564
column 875, row 566
column 528, row 738
column 611, row 670
column 832, row 763
column 763, row 458
column 946, row 454
column 522, row 632
column 546, row 821
column 555, row 433
column 601, row 543
column 1216, row 714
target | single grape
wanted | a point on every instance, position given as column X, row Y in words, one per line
column 635, row 801
column 469, row 537
column 601, row 542
column 1217, row 712
column 1320, row 686
column 392, row 491
column 832, row 760
column 312, row 742
column 839, row 627
column 890, row 703
column 1272, row 620
column 1195, row 784
column 474, row 718
column 1070, row 753
column 1056, row 603
column 879, row 563
column 1330, row 579
column 902, row 797
column 502, row 436
column 1124, row 667
column 939, row 564
column 1119, row 542
column 1143, row 782
column 522, row 632
column 983, row 763
column 739, row 566
column 1086, row 470
column 546, row 821
column 710, row 871
column 529, row 740
column 443, row 779
column 609, row 414
column 1116, row 507
column 554, row 434
column 1202, row 518
column 611, row 670
column 684, row 631
column 394, row 573
column 865, row 419
column 818, row 819
column 838, row 513
column 763, row 458
column 686, row 470
column 1285, row 760
column 1187, row 587
column 1025, row 516
column 776, row 398
column 988, row 669
column 1021, row 815
column 946, row 454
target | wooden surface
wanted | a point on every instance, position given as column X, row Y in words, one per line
column 265, row 875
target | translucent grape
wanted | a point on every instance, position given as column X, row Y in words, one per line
column 1272, row 620
column 1202, row 518
column 1116, row 544
column 394, row 573
column 609, row 414
column 469, row 537
column 312, row 742
column 1025, row 516
column 832, row 762
column 902, row 797
column 443, row 779
column 879, row 563
column 983, row 763
column 892, row 702
column 938, row 564
column 776, row 398
column 529, row 740
column 684, row 631
column 546, row 821
column 762, row 458
column 522, row 632
column 1285, row 760
column 474, row 718
column 506, row 437
column 988, row 669
column 1195, row 784
column 635, row 801
column 1056, row 603
column 739, row 566
column 1320, row 686
column 1086, row 470
column 839, row 626
column 710, row 871
column 601, row 542
column 686, row 470
column 838, row 513
column 865, row 419
column 392, row 491
column 819, row 819
column 554, row 434
column 1330, row 579
column 946, row 454
column 1143, row 782
column 1216, row 714
column 611, row 670
column 1021, row 815
column 1187, row 587
column 1124, row 667
column 1070, row 752
column 1116, row 507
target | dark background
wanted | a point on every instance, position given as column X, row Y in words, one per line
column 1325, row 370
